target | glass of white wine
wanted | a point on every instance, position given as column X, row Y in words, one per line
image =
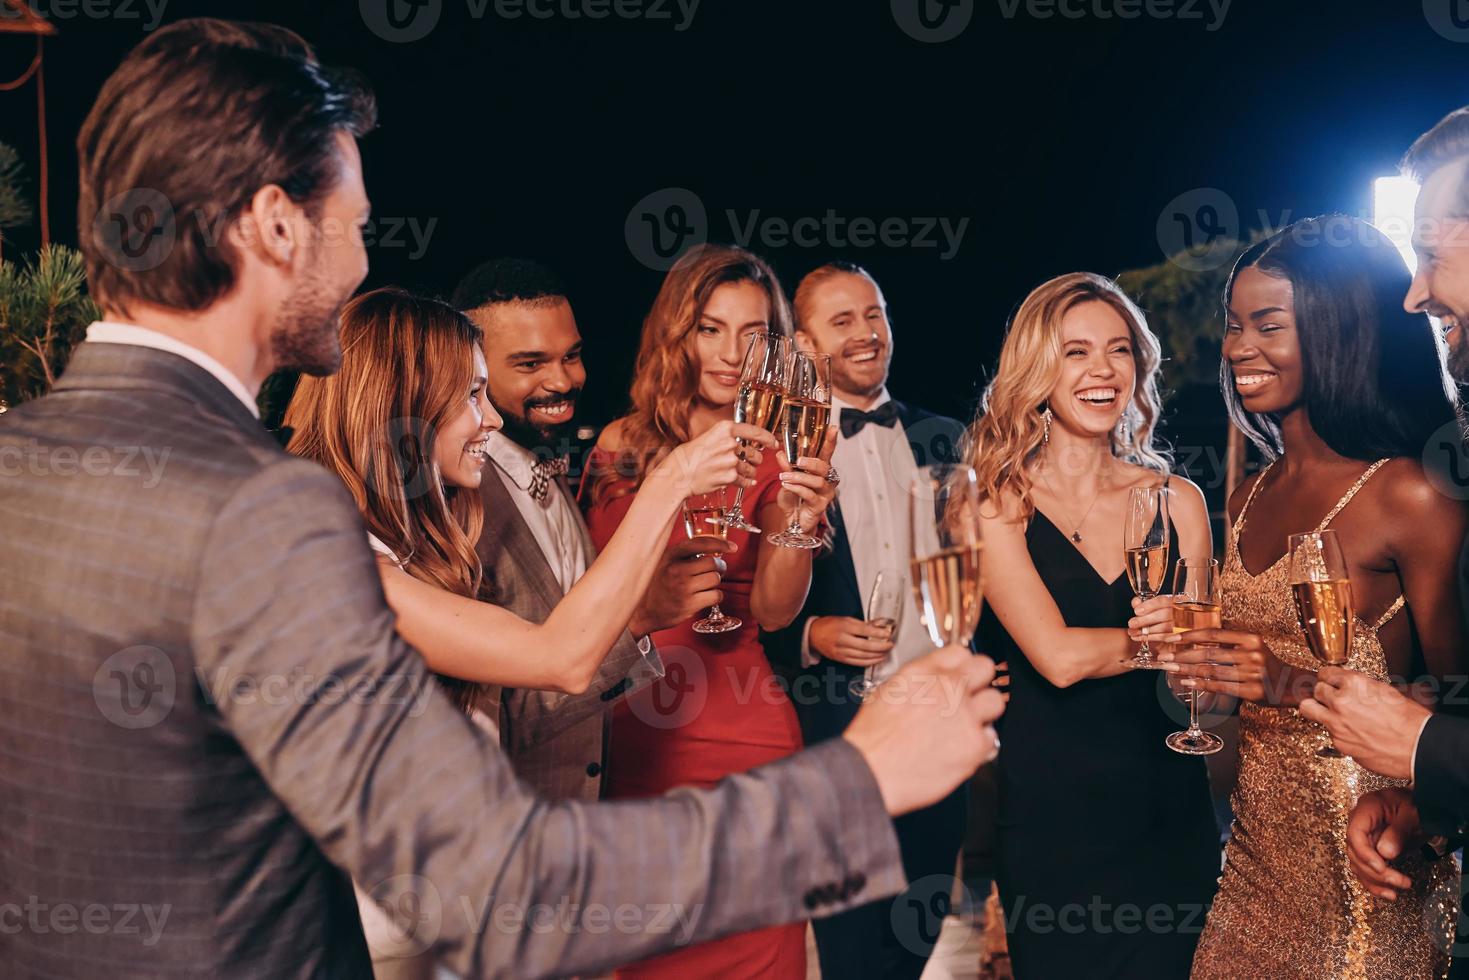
column 885, row 613
column 762, row 392
column 807, row 408
column 1145, row 542
column 1196, row 606
column 1323, row 595
column 707, row 514
column 945, row 570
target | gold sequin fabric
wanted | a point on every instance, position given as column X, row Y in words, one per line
column 1288, row 904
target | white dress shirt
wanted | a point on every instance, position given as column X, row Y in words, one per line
column 105, row 332
column 552, row 521
column 877, row 467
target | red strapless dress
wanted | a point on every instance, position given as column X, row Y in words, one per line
column 718, row 710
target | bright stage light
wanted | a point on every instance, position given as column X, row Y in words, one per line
column 1392, row 212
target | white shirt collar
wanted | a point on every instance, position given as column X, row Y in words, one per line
column 105, row 332
column 837, row 404
column 513, row 458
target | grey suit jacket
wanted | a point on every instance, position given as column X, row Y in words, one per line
column 206, row 718
column 554, row 740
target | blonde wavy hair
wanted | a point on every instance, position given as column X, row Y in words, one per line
column 1007, row 434
column 665, row 382
column 407, row 364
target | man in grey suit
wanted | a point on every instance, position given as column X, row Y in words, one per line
column 207, row 720
column 535, row 544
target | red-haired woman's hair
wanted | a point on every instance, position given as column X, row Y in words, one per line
column 666, row 379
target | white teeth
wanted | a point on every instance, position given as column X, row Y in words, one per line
column 863, row 358
column 1252, row 379
column 555, row 410
column 1098, row 396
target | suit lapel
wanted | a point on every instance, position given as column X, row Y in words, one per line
column 505, row 530
column 841, row 553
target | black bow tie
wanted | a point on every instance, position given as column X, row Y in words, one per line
column 853, row 419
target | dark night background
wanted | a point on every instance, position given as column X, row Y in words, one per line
column 1060, row 141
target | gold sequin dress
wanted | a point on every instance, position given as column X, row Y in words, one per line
column 1288, row 904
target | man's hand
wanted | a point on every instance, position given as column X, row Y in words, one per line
column 686, row 582
column 850, row 641
column 1369, row 720
column 927, row 728
column 1382, row 826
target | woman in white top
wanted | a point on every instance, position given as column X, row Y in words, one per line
column 404, row 424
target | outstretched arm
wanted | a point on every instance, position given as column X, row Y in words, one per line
column 478, row 641
column 417, row 799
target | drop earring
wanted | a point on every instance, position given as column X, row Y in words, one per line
column 1046, row 436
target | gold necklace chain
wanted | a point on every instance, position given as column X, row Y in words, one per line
column 1075, row 531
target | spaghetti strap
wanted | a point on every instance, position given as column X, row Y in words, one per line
column 1346, row 498
column 1239, row 522
column 1392, row 611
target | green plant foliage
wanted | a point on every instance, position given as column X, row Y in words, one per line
column 44, row 313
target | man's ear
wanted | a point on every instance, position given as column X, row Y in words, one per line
column 272, row 226
column 804, row 341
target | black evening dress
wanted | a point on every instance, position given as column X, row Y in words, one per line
column 1108, row 850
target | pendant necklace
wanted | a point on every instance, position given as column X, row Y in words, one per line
column 1076, row 531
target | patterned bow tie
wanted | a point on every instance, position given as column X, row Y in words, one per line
column 542, row 473
column 854, row 419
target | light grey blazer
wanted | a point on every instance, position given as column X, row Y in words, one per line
column 206, row 718
column 555, row 741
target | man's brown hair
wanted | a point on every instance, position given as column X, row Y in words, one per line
column 190, row 126
column 1445, row 143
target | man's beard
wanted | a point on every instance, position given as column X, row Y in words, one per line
column 844, row 381
column 306, row 336
column 1458, row 359
column 519, row 429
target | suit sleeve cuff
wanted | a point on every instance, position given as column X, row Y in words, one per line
column 809, row 657
column 1413, row 763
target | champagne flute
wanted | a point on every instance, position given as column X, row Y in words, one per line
column 1145, row 540
column 762, row 392
column 943, row 511
column 884, row 611
column 807, row 409
column 1196, row 606
column 1323, row 596
column 708, row 514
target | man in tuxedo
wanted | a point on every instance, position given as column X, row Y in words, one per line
column 1371, row 721
column 535, row 544
column 841, row 311
column 207, row 720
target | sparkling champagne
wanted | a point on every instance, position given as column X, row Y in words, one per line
column 1146, row 568
column 805, row 427
column 1325, row 613
column 710, row 521
column 1196, row 616
column 759, row 404
column 947, row 588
